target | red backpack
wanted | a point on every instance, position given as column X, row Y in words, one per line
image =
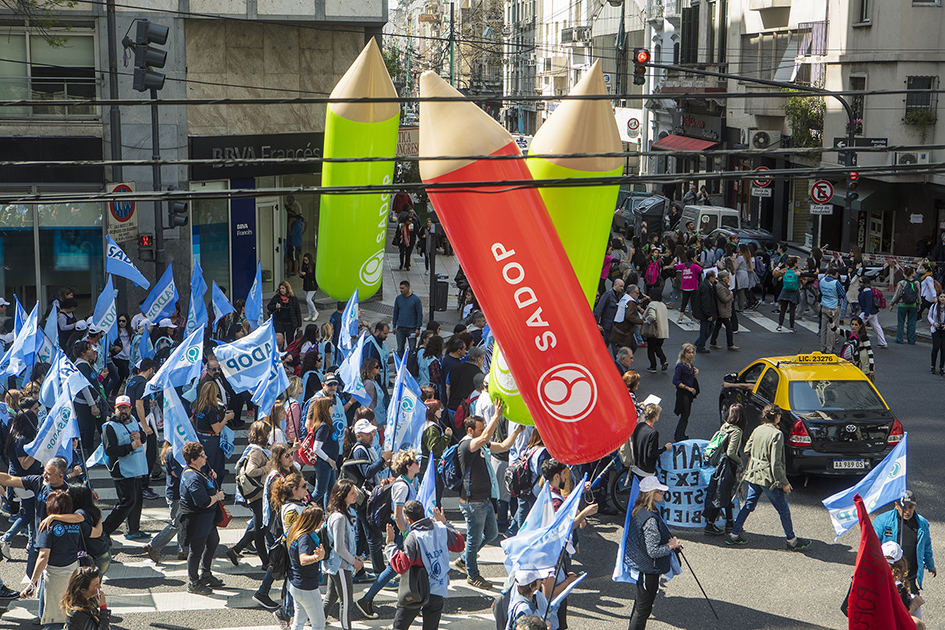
column 879, row 299
column 652, row 274
column 462, row 412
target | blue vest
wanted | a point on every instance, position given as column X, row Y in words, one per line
column 384, row 355
column 636, row 555
column 436, row 557
column 135, row 463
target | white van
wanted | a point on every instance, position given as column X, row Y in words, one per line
column 708, row 218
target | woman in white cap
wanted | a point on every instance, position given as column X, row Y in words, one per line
column 900, row 572
column 163, row 335
column 648, row 548
column 532, row 594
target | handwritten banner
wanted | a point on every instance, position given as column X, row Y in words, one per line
column 682, row 469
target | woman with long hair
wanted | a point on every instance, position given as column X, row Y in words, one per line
column 285, row 310
column 281, row 464
column 862, row 349
column 293, row 411
column 743, row 273
column 319, row 422
column 22, row 432
column 430, row 374
column 370, row 368
column 96, row 544
column 721, row 488
column 209, row 420
column 687, row 388
column 790, row 294
column 343, row 560
column 305, row 551
column 936, row 317
column 84, row 603
column 648, row 548
column 198, row 508
column 252, row 466
column 312, row 373
column 122, row 358
column 289, row 497
column 309, row 285
column 277, row 424
column 172, row 472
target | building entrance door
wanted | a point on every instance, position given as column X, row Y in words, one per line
column 270, row 241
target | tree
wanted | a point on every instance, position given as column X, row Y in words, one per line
column 38, row 15
column 392, row 61
column 805, row 115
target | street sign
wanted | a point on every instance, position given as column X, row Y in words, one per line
column 633, row 124
column 761, row 183
column 821, row 191
column 122, row 215
column 761, row 192
column 821, row 209
column 841, row 143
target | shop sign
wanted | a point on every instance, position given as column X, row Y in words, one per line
column 229, row 150
column 915, row 218
column 408, row 141
column 697, row 126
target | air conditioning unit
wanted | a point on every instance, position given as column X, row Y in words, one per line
column 762, row 139
column 907, row 158
column 530, row 62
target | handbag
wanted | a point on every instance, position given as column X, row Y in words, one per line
column 414, row 589
column 306, row 452
column 223, row 516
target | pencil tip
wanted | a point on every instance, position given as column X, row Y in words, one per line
column 366, row 78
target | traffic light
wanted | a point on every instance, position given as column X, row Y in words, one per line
column 641, row 57
column 853, row 181
column 148, row 57
column 177, row 211
column 146, row 246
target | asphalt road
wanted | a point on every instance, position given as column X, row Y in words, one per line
column 756, row 586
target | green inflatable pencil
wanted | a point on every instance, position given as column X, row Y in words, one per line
column 582, row 215
column 352, row 228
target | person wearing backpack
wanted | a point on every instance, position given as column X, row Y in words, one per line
column 870, row 306
column 343, row 559
column 721, row 488
column 831, row 295
column 251, row 468
column 857, row 349
column 479, row 489
column 366, row 468
column 530, row 460
column 428, row 544
column 906, row 301
column 790, row 291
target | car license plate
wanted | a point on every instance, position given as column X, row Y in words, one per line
column 847, row 464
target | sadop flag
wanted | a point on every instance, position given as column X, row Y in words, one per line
column 874, row 602
column 253, row 309
column 163, row 297
column 406, row 413
column 117, row 263
column 106, row 315
column 181, row 367
column 246, row 361
column 97, row 458
column 349, row 324
column 55, row 435
column 197, row 312
column 276, row 381
column 177, row 427
column 350, row 373
column 221, row 305
column 623, row 572
column 426, row 495
column 50, row 345
column 63, row 377
column 19, row 315
column 24, row 344
column 884, row 484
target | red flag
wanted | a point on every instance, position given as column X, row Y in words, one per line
column 874, row 599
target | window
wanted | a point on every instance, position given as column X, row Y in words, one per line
column 768, row 387
column 862, row 11
column 858, row 103
column 920, row 100
column 751, row 374
column 809, row 396
column 689, row 51
column 763, row 54
column 710, row 45
column 32, row 69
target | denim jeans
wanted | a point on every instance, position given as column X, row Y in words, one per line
column 25, row 519
column 308, row 608
column 374, row 540
column 481, row 529
column 905, row 318
column 324, row 480
column 170, row 530
column 404, row 340
column 778, row 500
column 705, row 331
column 266, row 585
column 524, row 507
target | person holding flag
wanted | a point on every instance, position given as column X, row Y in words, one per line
column 904, row 525
column 85, row 401
column 128, row 463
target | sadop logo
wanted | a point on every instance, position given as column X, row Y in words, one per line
column 503, row 376
column 407, row 405
column 58, row 530
column 568, row 392
column 372, row 268
column 191, row 356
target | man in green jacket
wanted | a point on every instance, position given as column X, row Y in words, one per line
column 765, row 474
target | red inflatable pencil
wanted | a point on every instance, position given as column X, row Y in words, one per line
column 523, row 280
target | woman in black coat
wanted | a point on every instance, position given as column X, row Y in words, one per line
column 286, row 313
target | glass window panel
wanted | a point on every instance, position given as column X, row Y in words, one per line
column 14, row 83
column 78, row 51
column 17, row 258
column 211, row 235
column 70, row 239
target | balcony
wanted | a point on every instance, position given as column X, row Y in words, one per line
column 676, row 81
column 577, row 36
column 761, row 5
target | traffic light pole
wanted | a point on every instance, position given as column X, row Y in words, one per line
column 156, row 176
column 850, row 223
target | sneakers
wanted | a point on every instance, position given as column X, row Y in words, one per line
column 363, row 578
column 136, row 536
column 148, row 493
column 715, row 346
column 211, row 580
column 779, row 329
column 480, row 582
column 799, row 543
column 366, row 607
column 712, row 530
column 5, row 550
column 235, row 559
column 735, row 539
column 460, row 564
column 652, row 370
column 393, row 585
column 733, row 348
column 265, row 601
column 152, row 554
column 284, row 620
column 199, row 588
column 7, row 593
column 664, row 367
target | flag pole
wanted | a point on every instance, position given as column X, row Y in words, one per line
column 555, row 574
column 709, row 601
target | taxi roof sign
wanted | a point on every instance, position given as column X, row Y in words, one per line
column 815, row 357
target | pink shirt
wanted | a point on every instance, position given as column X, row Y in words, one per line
column 690, row 277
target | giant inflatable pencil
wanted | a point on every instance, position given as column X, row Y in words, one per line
column 516, row 264
column 582, row 215
column 352, row 228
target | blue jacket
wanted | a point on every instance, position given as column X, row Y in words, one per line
column 830, row 291
column 408, row 312
column 887, row 528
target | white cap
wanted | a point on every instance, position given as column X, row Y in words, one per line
column 143, row 324
column 649, row 484
column 364, row 426
column 166, row 323
column 3, row 302
column 95, row 330
column 81, row 325
column 524, row 577
column 123, row 400
column 892, row 551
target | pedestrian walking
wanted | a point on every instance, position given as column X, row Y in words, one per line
column 655, row 331
column 869, row 309
column 721, row 490
column 343, row 559
column 905, row 526
column 831, row 292
column 211, row 416
column 686, row 382
column 857, row 348
column 645, row 442
column 705, row 309
column 765, row 474
column 305, row 552
column 309, row 285
column 790, row 293
column 286, row 313
column 648, row 548
column 408, row 318
column 927, row 288
column 198, row 509
column 906, row 303
column 127, row 463
column 251, row 469
column 936, row 319
column 724, row 301
column 743, row 276
column 172, row 472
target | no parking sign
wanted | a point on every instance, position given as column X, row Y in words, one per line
column 122, row 214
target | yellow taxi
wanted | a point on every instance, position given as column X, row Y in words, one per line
column 834, row 422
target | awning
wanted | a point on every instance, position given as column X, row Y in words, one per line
column 674, row 142
column 874, row 196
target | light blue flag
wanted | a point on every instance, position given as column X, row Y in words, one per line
column 163, row 297
column 56, row 433
column 106, row 314
column 21, row 352
column 4, row 414
column 884, row 484
column 178, row 429
column 406, row 413
column 253, row 309
column 197, row 312
column 19, row 315
column 63, row 377
column 145, row 349
column 50, row 346
column 245, row 362
column 221, row 305
column 350, row 373
column 116, row 262
column 181, row 367
column 540, row 548
column 623, row 572
column 275, row 383
column 427, row 493
column 349, row 324
column 97, row 458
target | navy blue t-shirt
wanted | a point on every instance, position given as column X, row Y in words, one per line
column 172, row 471
column 41, row 490
column 195, row 491
column 93, row 546
column 303, row 577
column 135, row 390
column 323, row 434
column 19, row 450
column 64, row 540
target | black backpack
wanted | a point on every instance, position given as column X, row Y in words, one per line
column 380, row 507
column 279, row 559
column 500, row 609
column 910, row 292
column 519, row 477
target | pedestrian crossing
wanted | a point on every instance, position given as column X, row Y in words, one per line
column 759, row 320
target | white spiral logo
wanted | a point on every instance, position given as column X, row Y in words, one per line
column 372, row 268
column 502, row 375
column 568, row 392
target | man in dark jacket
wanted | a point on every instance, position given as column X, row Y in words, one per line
column 606, row 309
column 127, row 463
column 705, row 309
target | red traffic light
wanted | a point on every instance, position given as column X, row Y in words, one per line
column 642, row 56
column 854, row 177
